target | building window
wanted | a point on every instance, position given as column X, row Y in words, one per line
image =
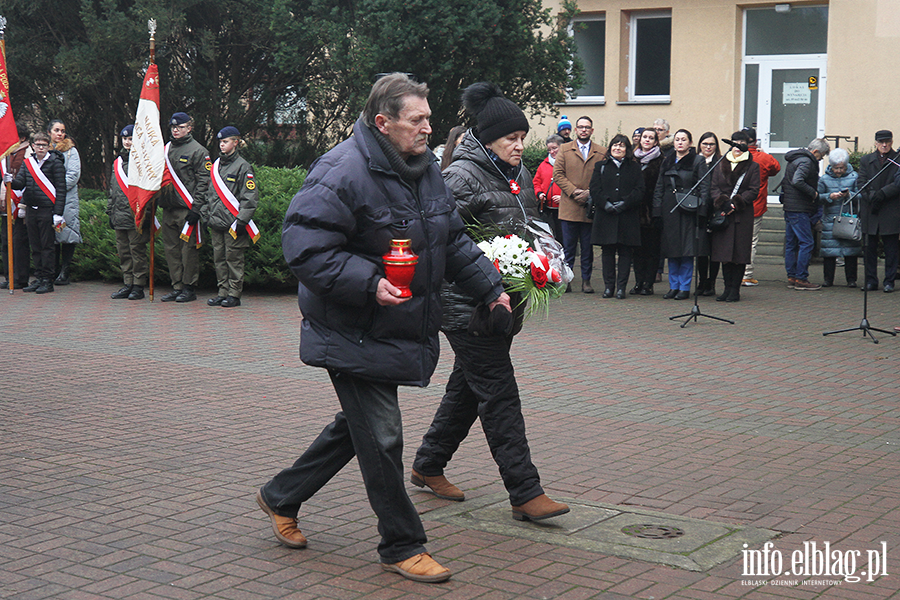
column 649, row 56
column 590, row 39
column 800, row 30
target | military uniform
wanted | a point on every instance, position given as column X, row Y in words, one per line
column 131, row 245
column 190, row 162
column 228, row 252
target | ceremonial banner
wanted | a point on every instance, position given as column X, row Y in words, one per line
column 9, row 137
column 147, row 158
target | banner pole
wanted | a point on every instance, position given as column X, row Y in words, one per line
column 9, row 231
column 10, row 277
column 151, row 28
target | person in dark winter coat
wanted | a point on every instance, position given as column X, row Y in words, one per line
column 836, row 187
column 707, row 269
column 381, row 184
column 43, row 179
column 735, row 186
column 131, row 244
column 880, row 209
column 646, row 256
column 683, row 230
column 491, row 187
column 617, row 188
column 800, row 197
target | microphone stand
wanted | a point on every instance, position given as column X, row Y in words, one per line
column 864, row 325
column 695, row 309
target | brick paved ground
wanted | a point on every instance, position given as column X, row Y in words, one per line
column 134, row 435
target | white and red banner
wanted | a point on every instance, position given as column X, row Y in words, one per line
column 231, row 203
column 147, row 157
column 9, row 137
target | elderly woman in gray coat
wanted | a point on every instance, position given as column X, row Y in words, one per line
column 836, row 187
column 69, row 235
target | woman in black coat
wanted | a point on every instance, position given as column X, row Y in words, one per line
column 707, row 270
column 617, row 187
column 735, row 185
column 683, row 230
column 646, row 257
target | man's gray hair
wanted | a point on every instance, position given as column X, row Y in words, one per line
column 839, row 156
column 387, row 96
column 661, row 123
column 819, row 145
column 555, row 139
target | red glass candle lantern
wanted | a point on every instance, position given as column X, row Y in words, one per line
column 400, row 265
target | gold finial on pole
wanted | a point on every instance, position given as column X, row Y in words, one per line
column 151, row 27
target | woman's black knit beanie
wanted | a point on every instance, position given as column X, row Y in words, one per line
column 496, row 115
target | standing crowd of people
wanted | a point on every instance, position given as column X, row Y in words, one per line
column 657, row 196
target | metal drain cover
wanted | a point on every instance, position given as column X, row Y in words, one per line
column 630, row 532
column 653, row 532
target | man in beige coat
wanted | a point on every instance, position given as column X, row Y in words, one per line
column 572, row 173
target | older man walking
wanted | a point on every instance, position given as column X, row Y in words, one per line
column 383, row 183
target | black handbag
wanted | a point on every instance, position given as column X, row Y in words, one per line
column 688, row 202
column 717, row 222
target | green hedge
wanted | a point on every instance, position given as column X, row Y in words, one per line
column 265, row 267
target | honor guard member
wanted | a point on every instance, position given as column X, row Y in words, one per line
column 186, row 182
column 43, row 180
column 231, row 202
column 131, row 245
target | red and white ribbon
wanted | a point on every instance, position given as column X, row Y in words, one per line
column 231, row 203
column 40, row 178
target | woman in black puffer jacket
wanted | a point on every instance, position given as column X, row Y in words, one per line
column 491, row 187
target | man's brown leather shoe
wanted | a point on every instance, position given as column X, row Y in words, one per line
column 538, row 509
column 420, row 567
column 439, row 486
column 285, row 528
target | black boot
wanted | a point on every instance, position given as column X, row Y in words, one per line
column 122, row 292
column 46, row 286
column 33, row 286
column 137, row 292
column 63, row 278
column 187, row 294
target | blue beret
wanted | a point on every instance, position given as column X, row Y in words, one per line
column 180, row 118
column 127, row 131
column 227, row 132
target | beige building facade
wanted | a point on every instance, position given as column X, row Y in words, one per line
column 794, row 71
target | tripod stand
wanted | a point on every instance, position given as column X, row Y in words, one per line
column 695, row 309
column 864, row 325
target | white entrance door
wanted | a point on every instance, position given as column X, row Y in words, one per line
column 790, row 105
